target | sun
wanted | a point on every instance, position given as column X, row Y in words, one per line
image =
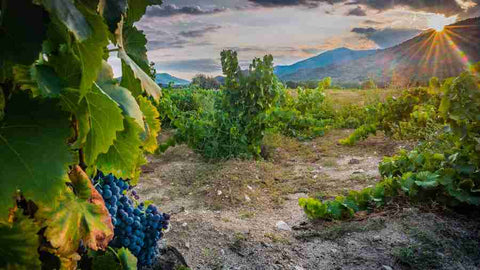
column 439, row 21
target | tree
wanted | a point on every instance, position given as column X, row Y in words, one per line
column 205, row 82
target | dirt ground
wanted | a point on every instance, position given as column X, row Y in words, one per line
column 225, row 214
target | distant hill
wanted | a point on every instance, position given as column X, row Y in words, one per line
column 441, row 54
column 328, row 58
column 165, row 79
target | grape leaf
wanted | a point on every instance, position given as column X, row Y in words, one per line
column 18, row 244
column 70, row 16
column 147, row 84
column 99, row 120
column 22, row 34
column 106, row 261
column 126, row 101
column 129, row 81
column 135, row 11
column 40, row 79
column 153, row 124
column 127, row 260
column 121, row 159
column 122, row 96
column 72, row 219
column 91, row 51
column 134, row 43
column 34, row 155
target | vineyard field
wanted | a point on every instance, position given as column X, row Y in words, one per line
column 109, row 160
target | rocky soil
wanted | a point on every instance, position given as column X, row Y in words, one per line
column 244, row 214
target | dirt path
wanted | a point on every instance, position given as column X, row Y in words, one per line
column 225, row 214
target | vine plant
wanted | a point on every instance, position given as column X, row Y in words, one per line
column 63, row 117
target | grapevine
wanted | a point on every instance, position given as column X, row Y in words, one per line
column 63, row 119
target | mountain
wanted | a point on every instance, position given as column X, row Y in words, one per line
column 165, row 79
column 333, row 57
column 441, row 54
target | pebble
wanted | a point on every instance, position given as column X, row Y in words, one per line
column 354, row 161
column 281, row 225
column 247, row 198
column 386, row 267
column 219, row 192
column 249, row 187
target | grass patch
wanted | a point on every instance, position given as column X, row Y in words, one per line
column 330, row 162
column 246, row 214
column 337, row 231
column 276, row 238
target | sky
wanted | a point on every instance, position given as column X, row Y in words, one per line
column 185, row 37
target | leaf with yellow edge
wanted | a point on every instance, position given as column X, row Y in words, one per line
column 147, row 83
column 153, row 124
column 122, row 157
column 19, row 243
column 74, row 218
column 122, row 96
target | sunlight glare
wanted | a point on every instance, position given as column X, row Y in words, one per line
column 439, row 21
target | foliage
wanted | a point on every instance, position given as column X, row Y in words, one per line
column 445, row 167
column 301, row 113
column 413, row 115
column 62, row 114
column 205, row 82
column 226, row 123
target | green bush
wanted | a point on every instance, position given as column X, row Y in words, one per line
column 444, row 168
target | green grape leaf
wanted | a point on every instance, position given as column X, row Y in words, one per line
column 127, row 260
column 106, row 261
column 135, row 11
column 90, row 51
column 99, row 120
column 23, row 27
column 153, row 124
column 125, row 100
column 70, row 16
column 147, row 84
column 129, row 81
column 72, row 219
column 19, row 243
column 134, row 43
column 40, row 79
column 121, row 159
column 122, row 96
column 34, row 155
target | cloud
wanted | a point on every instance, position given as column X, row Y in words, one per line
column 387, row 37
column 447, row 7
column 172, row 10
column 372, row 22
column 199, row 32
column 196, row 65
column 358, row 11
column 309, row 3
column 366, row 30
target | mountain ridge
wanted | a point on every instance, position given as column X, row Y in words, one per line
column 428, row 54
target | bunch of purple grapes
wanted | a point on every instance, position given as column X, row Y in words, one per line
column 136, row 228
